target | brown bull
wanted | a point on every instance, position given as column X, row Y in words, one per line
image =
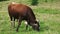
column 22, row 12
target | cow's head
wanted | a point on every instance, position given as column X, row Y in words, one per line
column 36, row 26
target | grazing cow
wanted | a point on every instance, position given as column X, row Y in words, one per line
column 22, row 12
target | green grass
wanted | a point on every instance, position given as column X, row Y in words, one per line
column 47, row 13
column 49, row 22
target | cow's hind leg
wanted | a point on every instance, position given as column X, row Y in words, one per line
column 12, row 22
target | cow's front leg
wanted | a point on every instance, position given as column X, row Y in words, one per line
column 19, row 23
column 26, row 27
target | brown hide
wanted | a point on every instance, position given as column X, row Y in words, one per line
column 21, row 12
column 17, row 10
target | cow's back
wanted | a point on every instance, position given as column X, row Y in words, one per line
column 16, row 10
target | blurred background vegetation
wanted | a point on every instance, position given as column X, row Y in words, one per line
column 47, row 11
column 38, row 3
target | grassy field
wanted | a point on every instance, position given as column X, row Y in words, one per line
column 47, row 13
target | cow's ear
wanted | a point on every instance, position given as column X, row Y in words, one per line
column 38, row 20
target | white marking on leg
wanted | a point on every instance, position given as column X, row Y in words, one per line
column 11, row 23
column 35, row 24
column 26, row 22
